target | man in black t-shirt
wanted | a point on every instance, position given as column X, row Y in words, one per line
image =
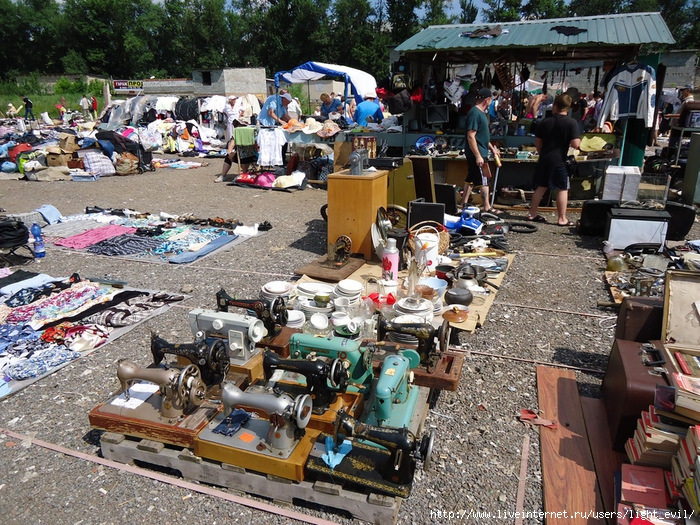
column 28, row 107
column 553, row 138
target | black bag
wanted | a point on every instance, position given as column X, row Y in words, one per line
column 13, row 234
column 571, row 166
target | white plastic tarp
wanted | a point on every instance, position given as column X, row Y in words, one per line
column 358, row 81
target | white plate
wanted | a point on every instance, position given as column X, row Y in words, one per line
column 314, row 288
column 407, row 319
column 350, row 286
column 277, row 287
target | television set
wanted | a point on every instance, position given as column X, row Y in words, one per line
column 438, row 114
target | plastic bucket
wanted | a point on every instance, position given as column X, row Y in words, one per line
column 427, row 249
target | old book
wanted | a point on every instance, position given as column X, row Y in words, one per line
column 643, row 485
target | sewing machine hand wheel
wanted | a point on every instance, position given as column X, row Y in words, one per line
column 444, row 334
column 303, row 405
column 425, row 450
column 187, row 383
column 279, row 312
column 383, row 223
column 339, row 375
column 218, row 358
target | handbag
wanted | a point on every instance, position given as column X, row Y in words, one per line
column 571, row 166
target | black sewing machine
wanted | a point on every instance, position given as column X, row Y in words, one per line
column 387, row 468
column 273, row 314
column 323, row 379
column 212, row 359
column 426, row 333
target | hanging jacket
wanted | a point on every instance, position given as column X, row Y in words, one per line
column 630, row 93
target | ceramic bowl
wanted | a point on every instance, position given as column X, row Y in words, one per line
column 319, row 321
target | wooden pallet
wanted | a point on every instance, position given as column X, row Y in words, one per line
column 372, row 508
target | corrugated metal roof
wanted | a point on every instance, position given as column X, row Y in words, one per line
column 608, row 30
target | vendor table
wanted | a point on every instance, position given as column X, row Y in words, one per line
column 352, row 207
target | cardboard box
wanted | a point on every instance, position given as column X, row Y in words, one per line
column 68, row 142
column 58, row 159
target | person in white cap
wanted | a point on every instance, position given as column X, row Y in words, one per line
column 274, row 110
column 234, row 112
column 368, row 110
column 11, row 110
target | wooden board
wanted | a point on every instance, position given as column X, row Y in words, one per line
column 617, row 294
column 371, row 508
column 319, row 270
column 568, row 472
column 606, row 460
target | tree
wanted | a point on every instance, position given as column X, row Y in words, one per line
column 467, row 11
column 11, row 51
column 502, row 10
column 402, row 18
column 538, row 9
column 435, row 13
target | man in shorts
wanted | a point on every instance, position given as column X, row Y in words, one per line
column 477, row 150
column 553, row 137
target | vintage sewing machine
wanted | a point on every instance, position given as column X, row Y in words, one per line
column 273, row 314
column 382, row 458
column 356, row 359
column 210, row 357
column 323, row 379
column 164, row 404
column 240, row 332
column 393, row 399
column 428, row 351
column 276, row 444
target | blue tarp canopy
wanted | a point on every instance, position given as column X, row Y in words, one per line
column 356, row 82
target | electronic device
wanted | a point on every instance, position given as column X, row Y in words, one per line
column 437, row 114
column 179, row 388
column 240, row 332
column 211, row 357
column 273, row 313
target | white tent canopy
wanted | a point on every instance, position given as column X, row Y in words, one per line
column 357, row 81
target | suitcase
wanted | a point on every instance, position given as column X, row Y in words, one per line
column 682, row 219
column 640, row 319
column 629, row 386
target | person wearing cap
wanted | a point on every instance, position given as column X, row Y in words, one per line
column 274, row 110
column 478, row 146
column 553, row 138
column 28, row 108
column 368, row 110
column 330, row 105
column 234, row 112
column 11, row 110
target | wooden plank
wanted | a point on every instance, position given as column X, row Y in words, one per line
column 319, row 270
column 605, row 459
column 568, row 473
column 361, row 506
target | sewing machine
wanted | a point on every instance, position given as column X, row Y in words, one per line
column 429, row 353
column 210, row 357
column 179, row 388
column 163, row 404
column 273, row 314
column 323, row 379
column 357, row 360
column 241, row 332
column 394, row 397
column 387, row 468
column 276, row 444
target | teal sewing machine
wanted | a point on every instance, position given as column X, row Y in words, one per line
column 394, row 397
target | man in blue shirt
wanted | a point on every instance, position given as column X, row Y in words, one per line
column 329, row 105
column 274, row 110
column 368, row 110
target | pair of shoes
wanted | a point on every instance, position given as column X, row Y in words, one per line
column 265, row 226
column 220, row 178
column 536, row 218
column 494, row 211
column 567, row 223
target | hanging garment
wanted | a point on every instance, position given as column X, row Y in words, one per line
column 270, row 142
column 630, row 93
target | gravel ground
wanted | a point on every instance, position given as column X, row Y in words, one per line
column 477, row 452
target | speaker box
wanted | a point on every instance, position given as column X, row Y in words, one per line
column 447, row 194
column 682, row 219
column 594, row 216
column 419, row 211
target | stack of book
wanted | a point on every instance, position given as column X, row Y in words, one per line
column 684, row 465
column 656, row 440
column 687, row 394
column 642, row 497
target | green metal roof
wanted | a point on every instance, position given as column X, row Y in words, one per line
column 604, row 37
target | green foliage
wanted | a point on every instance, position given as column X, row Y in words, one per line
column 502, row 10
column 536, row 9
column 64, row 86
column 31, row 84
column 95, row 87
column 467, row 11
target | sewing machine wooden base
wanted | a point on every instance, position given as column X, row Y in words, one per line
column 279, row 344
column 145, row 421
column 222, row 448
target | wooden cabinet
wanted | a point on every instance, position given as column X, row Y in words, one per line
column 352, row 207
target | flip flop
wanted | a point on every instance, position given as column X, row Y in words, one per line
column 536, row 218
column 494, row 211
column 568, row 223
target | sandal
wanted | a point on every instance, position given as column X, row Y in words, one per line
column 567, row 223
column 536, row 218
column 494, row 211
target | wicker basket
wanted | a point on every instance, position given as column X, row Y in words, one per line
column 431, row 227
